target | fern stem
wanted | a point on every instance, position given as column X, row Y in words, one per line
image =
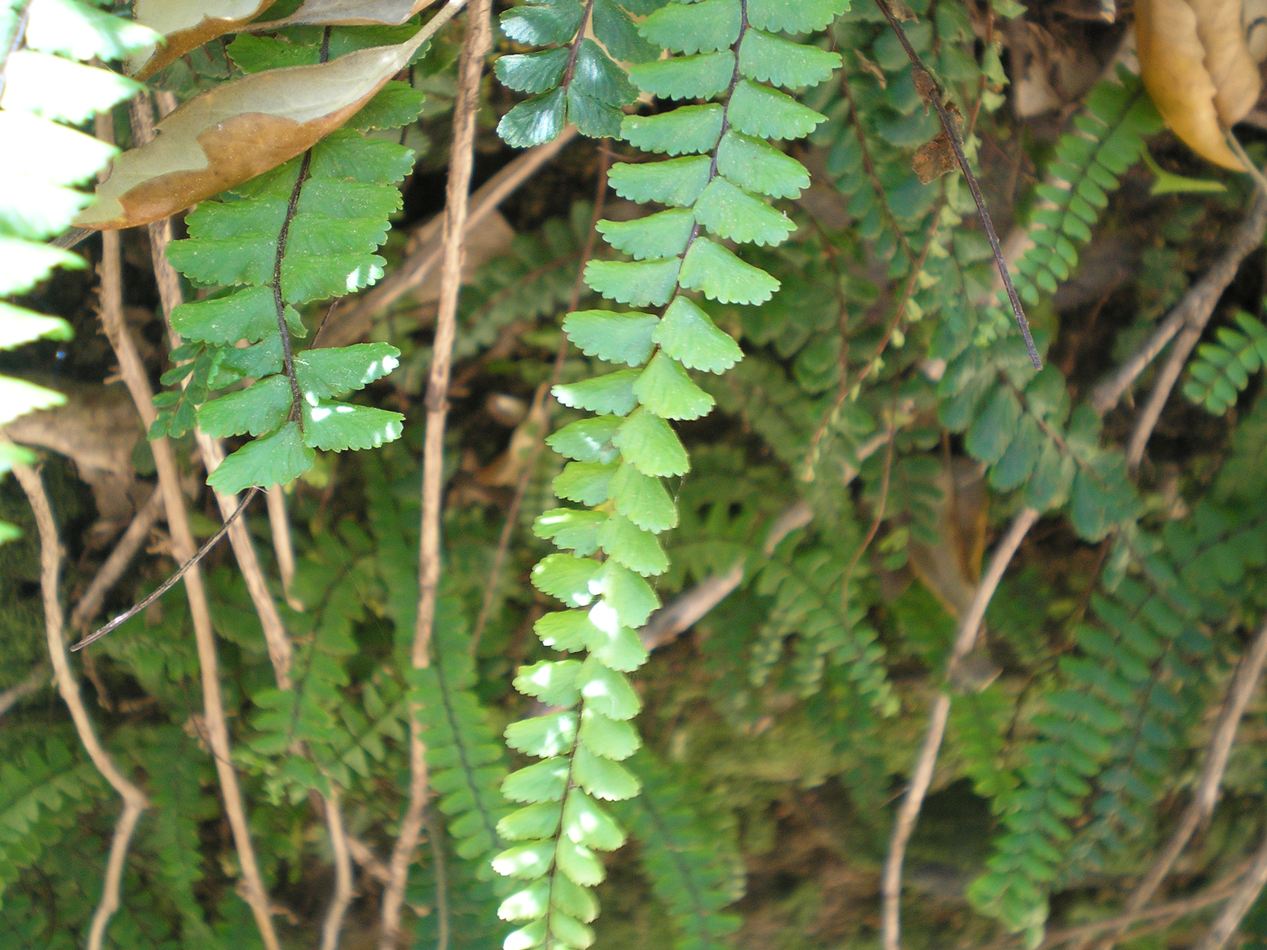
column 457, row 200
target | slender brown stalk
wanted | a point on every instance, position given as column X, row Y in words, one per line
column 134, row 800
column 137, row 381
column 1229, row 920
column 922, row 775
column 457, row 201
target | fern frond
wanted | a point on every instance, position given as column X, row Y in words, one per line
column 305, row 231
column 714, row 186
column 1222, row 368
column 1107, row 733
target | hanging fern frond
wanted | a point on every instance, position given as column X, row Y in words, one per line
column 719, row 167
column 1222, row 368
column 305, row 231
column 47, row 89
column 689, row 856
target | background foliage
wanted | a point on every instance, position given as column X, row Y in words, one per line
column 782, row 396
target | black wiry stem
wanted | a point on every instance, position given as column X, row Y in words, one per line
column 933, row 93
column 171, row 581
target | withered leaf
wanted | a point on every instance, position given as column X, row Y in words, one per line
column 237, row 131
column 186, row 25
column 1195, row 63
column 934, row 158
column 352, row 13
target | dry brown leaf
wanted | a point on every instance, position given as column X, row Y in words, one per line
column 237, row 131
column 1197, row 67
column 352, row 13
column 186, row 25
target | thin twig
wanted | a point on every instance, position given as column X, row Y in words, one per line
column 922, row 774
column 333, row 924
column 457, row 202
column 134, row 800
column 932, row 91
column 1206, row 793
column 283, row 545
column 137, row 381
column 1243, row 898
column 428, row 249
column 34, row 681
column 124, row 550
column 1193, row 310
column 172, row 579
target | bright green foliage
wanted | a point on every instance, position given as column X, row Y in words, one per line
column 306, row 231
column 1222, row 368
column 1106, row 735
column 575, row 79
column 691, row 859
column 46, row 90
column 621, row 459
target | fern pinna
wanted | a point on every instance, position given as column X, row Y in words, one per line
column 714, row 184
column 305, row 231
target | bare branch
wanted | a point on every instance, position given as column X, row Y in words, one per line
column 134, row 800
column 457, row 203
column 333, row 925
column 137, row 381
column 1229, row 919
column 283, row 546
column 922, row 775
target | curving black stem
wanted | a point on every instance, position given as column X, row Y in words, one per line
column 932, row 92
